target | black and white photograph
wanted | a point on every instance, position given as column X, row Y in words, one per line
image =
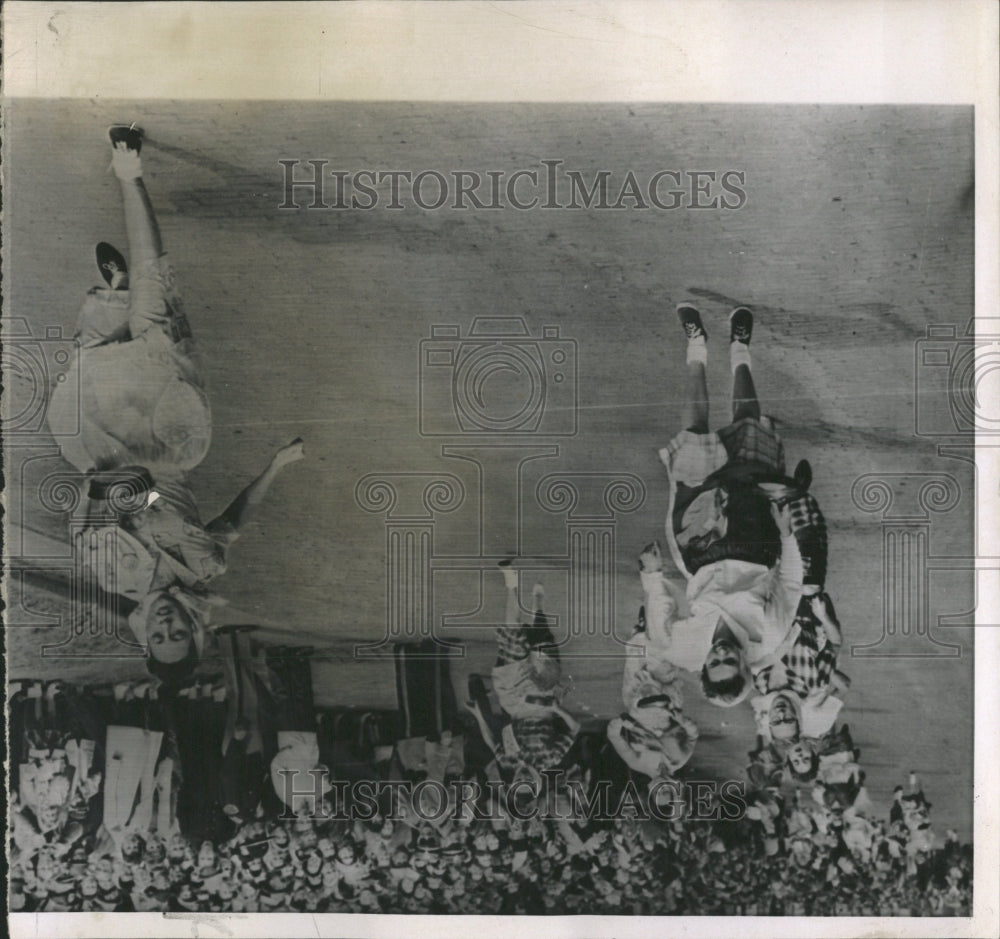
column 536, row 510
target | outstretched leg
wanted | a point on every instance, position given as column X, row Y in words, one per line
column 745, row 402
column 696, row 408
column 241, row 508
column 153, row 299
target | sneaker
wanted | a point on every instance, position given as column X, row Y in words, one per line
column 112, row 266
column 691, row 321
column 741, row 325
column 128, row 134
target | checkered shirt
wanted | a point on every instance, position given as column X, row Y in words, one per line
column 753, row 441
column 542, row 742
column 809, row 528
column 512, row 644
column 807, row 667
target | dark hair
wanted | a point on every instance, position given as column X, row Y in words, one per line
column 810, row 774
column 174, row 674
column 729, row 689
column 135, row 856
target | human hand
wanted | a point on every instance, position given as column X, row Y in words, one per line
column 822, row 607
column 290, row 453
column 782, row 516
column 651, row 558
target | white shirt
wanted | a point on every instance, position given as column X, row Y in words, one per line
column 758, row 605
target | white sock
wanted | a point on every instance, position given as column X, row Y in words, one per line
column 509, row 577
column 127, row 164
column 739, row 354
column 697, row 351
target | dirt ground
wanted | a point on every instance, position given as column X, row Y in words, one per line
column 857, row 233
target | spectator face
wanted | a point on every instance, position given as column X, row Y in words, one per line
column 168, row 630
column 156, row 851
column 722, row 662
column 207, row 856
column 800, row 758
column 48, row 817
column 325, row 847
column 345, row 854
column 782, row 719
column 308, row 839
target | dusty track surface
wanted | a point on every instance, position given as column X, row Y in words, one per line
column 856, row 234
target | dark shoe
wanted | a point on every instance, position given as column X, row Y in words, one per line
column 803, row 475
column 741, row 325
column 691, row 321
column 128, row 134
column 112, row 266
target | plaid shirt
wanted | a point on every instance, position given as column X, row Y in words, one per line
column 512, row 644
column 542, row 743
column 809, row 528
column 807, row 667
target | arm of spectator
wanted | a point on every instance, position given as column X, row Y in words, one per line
column 621, row 745
column 822, row 608
column 788, row 589
column 484, row 727
column 574, row 844
column 571, row 722
column 660, row 607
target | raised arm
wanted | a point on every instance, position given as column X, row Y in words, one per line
column 239, row 511
column 788, row 589
column 660, row 606
column 822, row 608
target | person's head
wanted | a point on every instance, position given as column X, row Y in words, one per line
column 133, row 846
column 88, row 886
column 326, row 847
column 803, row 763
column 207, row 855
column 169, row 629
column 783, row 719
column 156, row 850
column 279, row 836
column 177, row 848
column 346, row 854
column 48, row 817
column 725, row 679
